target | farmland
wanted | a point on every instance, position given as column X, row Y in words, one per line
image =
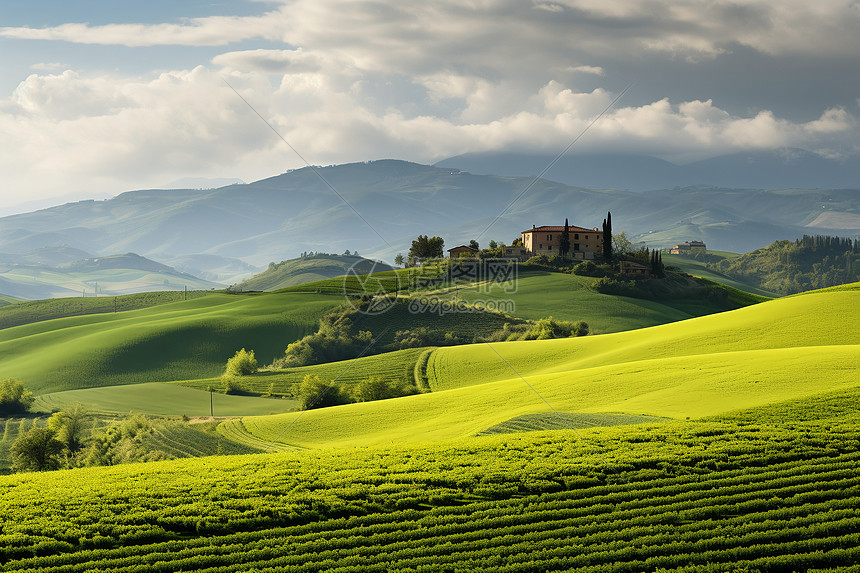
column 705, row 496
column 700, row 367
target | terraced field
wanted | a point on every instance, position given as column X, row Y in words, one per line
column 672, row 497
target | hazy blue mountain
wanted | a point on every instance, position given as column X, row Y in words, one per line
column 780, row 169
column 32, row 276
column 280, row 217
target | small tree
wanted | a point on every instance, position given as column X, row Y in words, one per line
column 316, row 393
column 398, row 260
column 36, row 450
column 14, row 398
column 243, row 363
column 492, row 245
column 426, row 248
column 474, row 244
column 621, row 244
column 607, row 237
column 70, row 425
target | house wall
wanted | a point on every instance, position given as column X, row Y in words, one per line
column 583, row 244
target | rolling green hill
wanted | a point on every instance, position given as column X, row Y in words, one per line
column 775, row 351
column 701, row 268
column 308, row 269
column 177, row 341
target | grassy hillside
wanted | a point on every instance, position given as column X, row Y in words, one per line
column 177, row 341
column 695, row 368
column 672, row 497
column 27, row 312
column 161, row 399
column 789, row 267
column 397, row 366
column 308, row 269
column 701, row 269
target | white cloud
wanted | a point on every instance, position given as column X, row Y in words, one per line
column 595, row 70
column 46, row 66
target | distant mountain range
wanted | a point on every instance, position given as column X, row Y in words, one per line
column 226, row 234
column 51, row 272
column 779, row 169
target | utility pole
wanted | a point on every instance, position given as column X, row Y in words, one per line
column 186, row 292
column 211, row 403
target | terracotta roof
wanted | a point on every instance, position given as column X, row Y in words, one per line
column 463, row 247
column 560, row 229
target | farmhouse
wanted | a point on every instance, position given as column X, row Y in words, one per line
column 687, row 248
column 457, row 251
column 546, row 239
column 634, row 269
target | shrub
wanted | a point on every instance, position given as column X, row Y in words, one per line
column 242, row 364
column 36, row 450
column 232, row 385
column 14, row 398
column 375, row 388
column 316, row 393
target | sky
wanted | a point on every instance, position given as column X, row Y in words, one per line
column 98, row 97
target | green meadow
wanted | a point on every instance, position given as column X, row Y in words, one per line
column 159, row 399
column 177, row 341
column 701, row 367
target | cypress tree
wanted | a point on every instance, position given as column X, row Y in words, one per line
column 607, row 236
column 564, row 244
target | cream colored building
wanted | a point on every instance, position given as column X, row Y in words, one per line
column 545, row 240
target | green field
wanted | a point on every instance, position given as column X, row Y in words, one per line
column 695, row 368
column 178, row 341
column 568, row 297
column 27, row 312
column 397, row 366
column 160, row 399
column 692, row 496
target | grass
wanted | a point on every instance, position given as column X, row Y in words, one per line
column 161, row 399
column 27, row 312
column 565, row 421
column 781, row 350
column 569, row 297
column 397, row 366
column 671, row 497
column 183, row 340
column 700, row 269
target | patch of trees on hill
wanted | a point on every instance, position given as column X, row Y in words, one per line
column 789, row 267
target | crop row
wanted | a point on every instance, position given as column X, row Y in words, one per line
column 534, row 502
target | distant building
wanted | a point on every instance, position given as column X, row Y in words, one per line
column 546, row 239
column 457, row 251
column 688, row 247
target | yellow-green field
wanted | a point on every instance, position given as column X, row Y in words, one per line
column 776, row 351
column 160, row 399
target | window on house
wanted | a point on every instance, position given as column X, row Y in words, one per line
column 549, row 237
column 540, row 246
column 576, row 246
column 576, row 236
column 549, row 248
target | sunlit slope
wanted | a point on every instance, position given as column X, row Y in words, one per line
column 690, row 386
column 755, row 356
column 184, row 340
column 822, row 318
column 162, row 400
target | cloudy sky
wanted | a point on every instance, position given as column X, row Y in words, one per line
column 102, row 96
